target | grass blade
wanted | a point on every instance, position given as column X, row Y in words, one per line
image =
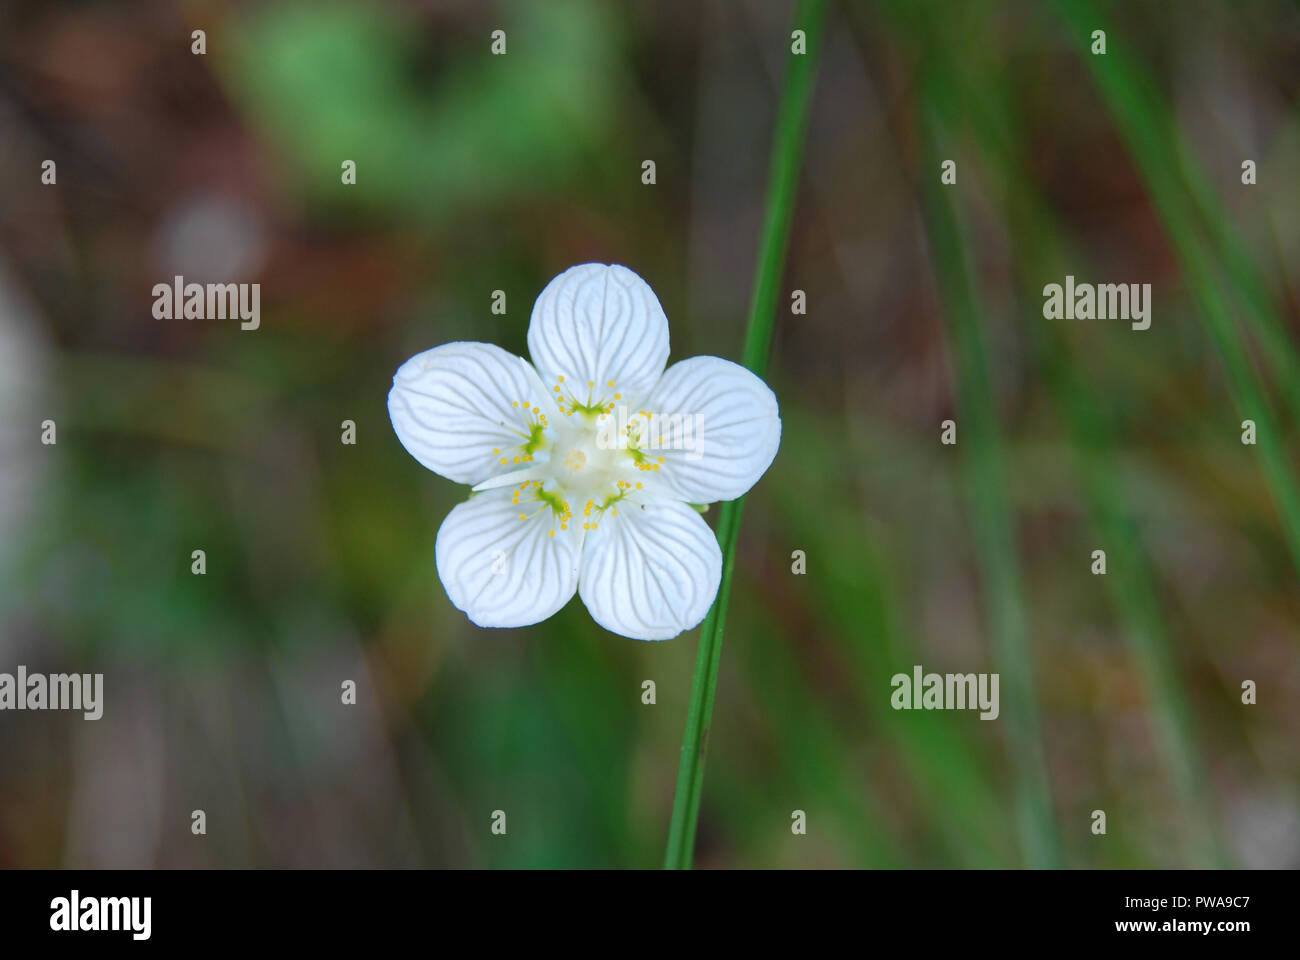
column 1148, row 131
column 992, row 519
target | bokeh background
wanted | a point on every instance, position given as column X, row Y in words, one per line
column 476, row 173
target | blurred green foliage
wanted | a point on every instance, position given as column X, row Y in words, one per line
column 326, row 80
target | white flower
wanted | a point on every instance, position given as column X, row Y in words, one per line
column 577, row 485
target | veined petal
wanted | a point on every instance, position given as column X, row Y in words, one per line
column 461, row 408
column 716, row 426
column 650, row 573
column 595, row 325
column 503, row 571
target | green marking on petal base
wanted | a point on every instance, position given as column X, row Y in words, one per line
column 552, row 500
column 535, row 438
column 590, row 409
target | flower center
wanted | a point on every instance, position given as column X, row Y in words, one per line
column 586, row 463
column 588, row 466
column 590, row 471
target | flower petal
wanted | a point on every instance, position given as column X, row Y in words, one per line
column 461, row 407
column 650, row 573
column 503, row 571
column 718, row 429
column 594, row 324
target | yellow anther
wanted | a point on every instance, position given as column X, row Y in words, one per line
column 523, row 516
column 550, row 533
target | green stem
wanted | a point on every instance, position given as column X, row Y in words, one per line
column 783, row 183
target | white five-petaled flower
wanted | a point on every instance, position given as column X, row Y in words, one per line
column 575, row 487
